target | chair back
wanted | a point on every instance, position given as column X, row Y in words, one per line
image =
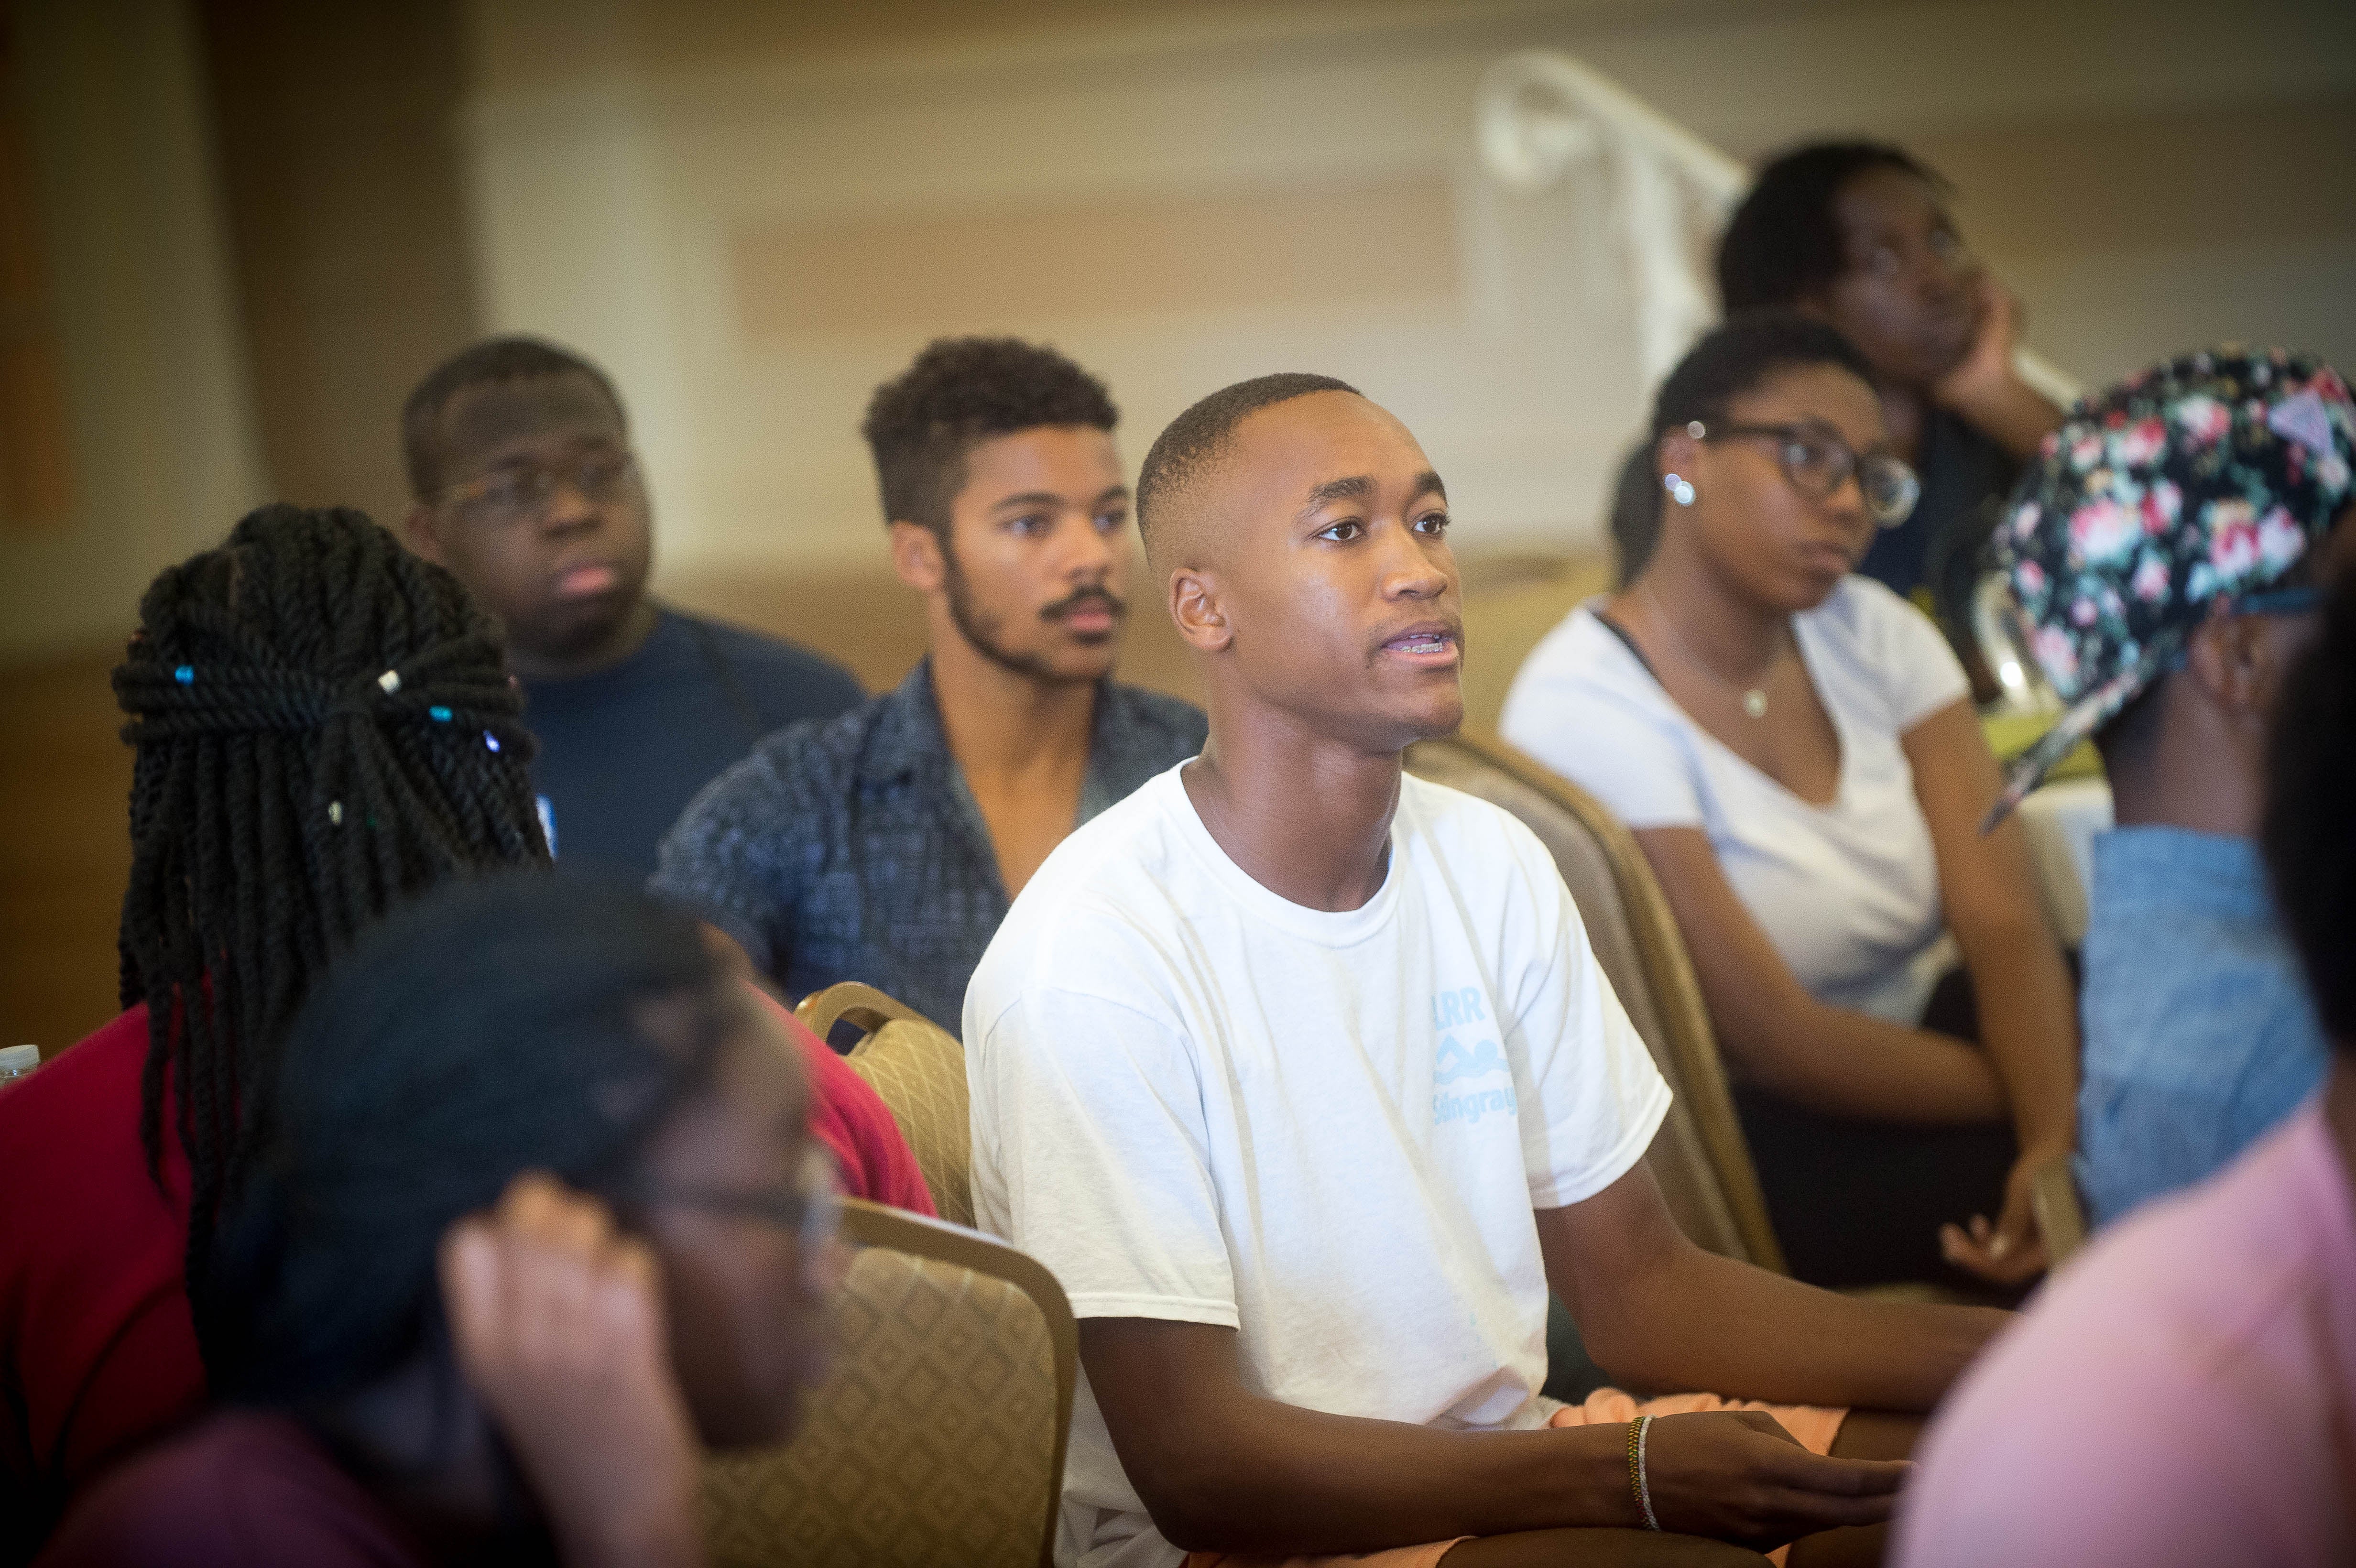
column 1699, row 1157
column 917, row 1069
column 939, row 1434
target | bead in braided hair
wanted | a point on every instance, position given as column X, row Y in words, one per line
column 322, row 726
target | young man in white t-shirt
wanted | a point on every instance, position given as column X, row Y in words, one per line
column 1300, row 1074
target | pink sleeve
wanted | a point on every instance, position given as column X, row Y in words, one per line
column 2089, row 1434
column 851, row 1119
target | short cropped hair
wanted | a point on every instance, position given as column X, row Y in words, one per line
column 960, row 393
column 2309, row 834
column 1193, row 441
column 487, row 363
column 1741, row 354
column 1783, row 244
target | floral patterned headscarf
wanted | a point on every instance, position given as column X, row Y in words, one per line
column 2200, row 483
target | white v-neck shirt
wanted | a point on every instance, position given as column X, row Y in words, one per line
column 1847, row 891
column 1195, row 1100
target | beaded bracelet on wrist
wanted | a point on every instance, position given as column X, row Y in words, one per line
column 1638, row 1481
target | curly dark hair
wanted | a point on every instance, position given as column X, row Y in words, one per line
column 323, row 725
column 959, row 392
column 2309, row 837
column 1783, row 244
column 1195, row 438
column 493, row 360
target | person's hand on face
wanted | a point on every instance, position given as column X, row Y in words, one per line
column 559, row 1327
column 1738, row 1476
column 1985, row 370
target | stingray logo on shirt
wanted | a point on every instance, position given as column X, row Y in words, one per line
column 1455, row 1062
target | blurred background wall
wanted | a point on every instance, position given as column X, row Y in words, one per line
column 755, row 212
column 233, row 232
column 259, row 221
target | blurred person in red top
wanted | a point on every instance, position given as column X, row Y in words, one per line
column 324, row 726
column 540, row 1216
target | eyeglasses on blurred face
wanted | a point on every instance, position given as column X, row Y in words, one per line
column 809, row 1208
column 508, row 495
column 1817, row 461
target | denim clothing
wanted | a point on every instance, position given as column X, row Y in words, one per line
column 2200, row 1035
column 852, row 849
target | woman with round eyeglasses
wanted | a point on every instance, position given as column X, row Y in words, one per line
column 1796, row 749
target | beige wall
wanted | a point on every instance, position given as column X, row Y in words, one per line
column 336, row 127
column 158, row 424
column 753, row 213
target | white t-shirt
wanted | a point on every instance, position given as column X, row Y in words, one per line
column 1847, row 892
column 1195, row 1100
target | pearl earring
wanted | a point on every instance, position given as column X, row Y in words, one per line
column 1680, row 490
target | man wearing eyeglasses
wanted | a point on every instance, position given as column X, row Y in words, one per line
column 525, row 487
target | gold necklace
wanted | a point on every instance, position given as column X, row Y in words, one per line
column 1754, row 698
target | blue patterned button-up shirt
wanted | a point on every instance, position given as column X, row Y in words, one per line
column 850, row 848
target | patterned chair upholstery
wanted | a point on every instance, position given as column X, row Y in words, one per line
column 939, row 1434
column 918, row 1069
column 1699, row 1157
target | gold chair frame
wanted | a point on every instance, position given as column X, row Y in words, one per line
column 1692, row 1043
column 1687, row 1040
column 869, row 1011
column 866, row 1224
column 865, row 1007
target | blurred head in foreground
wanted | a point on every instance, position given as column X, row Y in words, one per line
column 542, row 1192
column 526, row 1061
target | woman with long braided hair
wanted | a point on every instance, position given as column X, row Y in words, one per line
column 324, row 726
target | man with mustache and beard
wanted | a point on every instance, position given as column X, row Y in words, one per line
column 884, row 846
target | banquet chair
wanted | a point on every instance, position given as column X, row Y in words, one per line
column 938, row 1434
column 917, row 1069
column 1699, row 1157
